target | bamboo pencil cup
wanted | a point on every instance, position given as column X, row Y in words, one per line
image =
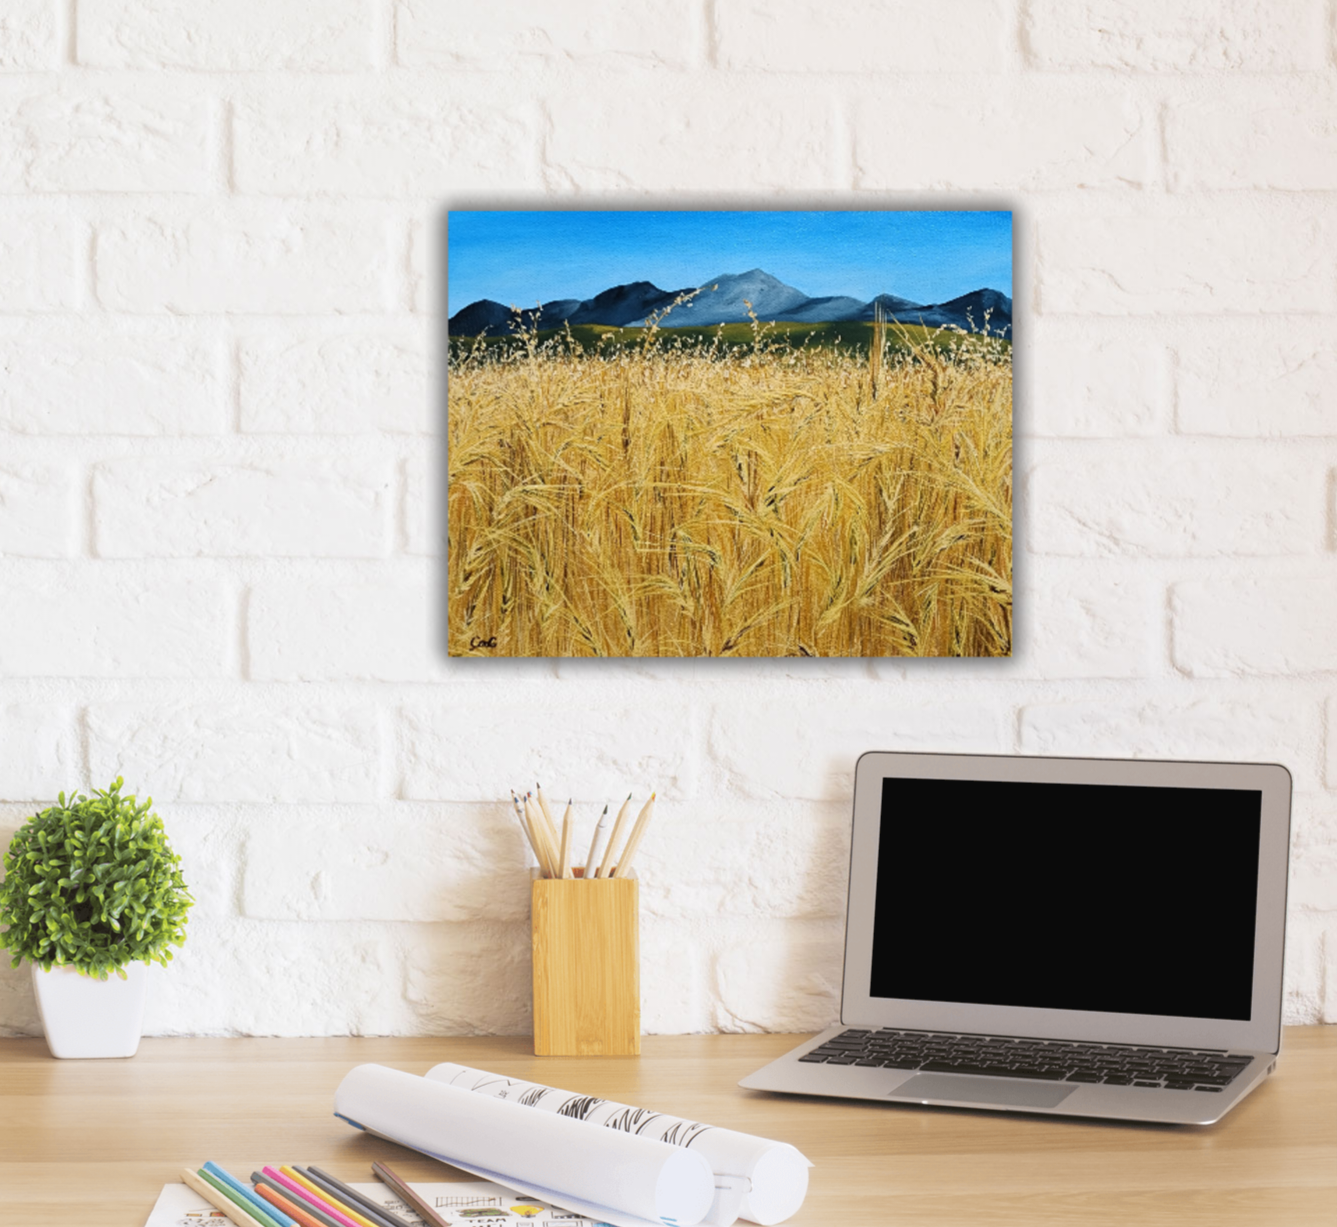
column 587, row 967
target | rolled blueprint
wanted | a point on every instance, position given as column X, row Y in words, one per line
column 756, row 1179
column 636, row 1181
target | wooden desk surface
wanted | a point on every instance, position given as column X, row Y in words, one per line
column 85, row 1142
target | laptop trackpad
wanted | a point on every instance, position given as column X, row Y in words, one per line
column 964, row 1088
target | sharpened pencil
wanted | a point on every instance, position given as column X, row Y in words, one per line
column 564, row 861
column 607, row 861
column 634, row 840
column 352, row 1196
column 592, row 860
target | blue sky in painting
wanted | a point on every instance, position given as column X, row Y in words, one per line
column 520, row 258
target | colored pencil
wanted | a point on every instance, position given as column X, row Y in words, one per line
column 248, row 1194
column 263, row 1217
column 324, row 1196
column 592, row 860
column 634, row 841
column 279, row 1196
column 219, row 1201
column 308, row 1200
column 382, row 1172
column 351, row 1195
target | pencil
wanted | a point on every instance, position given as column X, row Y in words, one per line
column 218, row 1200
column 547, row 850
column 261, row 1216
column 634, row 842
column 286, row 1200
column 324, row 1198
column 607, row 861
column 407, row 1194
column 592, row 861
column 564, row 865
column 549, row 824
column 353, row 1197
column 312, row 1204
column 248, row 1194
column 524, row 826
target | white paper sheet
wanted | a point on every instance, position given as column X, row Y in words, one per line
column 623, row 1179
column 465, row 1203
column 757, row 1179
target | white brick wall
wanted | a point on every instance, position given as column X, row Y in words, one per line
column 221, row 400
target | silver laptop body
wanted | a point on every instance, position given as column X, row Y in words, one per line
column 1079, row 937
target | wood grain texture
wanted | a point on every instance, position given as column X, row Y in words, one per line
column 94, row 1141
column 587, row 968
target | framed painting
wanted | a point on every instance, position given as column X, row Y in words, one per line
column 730, row 433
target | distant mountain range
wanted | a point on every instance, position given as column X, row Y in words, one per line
column 723, row 300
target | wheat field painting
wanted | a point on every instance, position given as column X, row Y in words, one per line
column 659, row 446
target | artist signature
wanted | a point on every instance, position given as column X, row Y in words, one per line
column 476, row 643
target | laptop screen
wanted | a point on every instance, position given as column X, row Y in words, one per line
column 1069, row 896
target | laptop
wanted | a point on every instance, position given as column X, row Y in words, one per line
column 1071, row 936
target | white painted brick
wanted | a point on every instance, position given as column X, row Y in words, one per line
column 1313, row 879
column 28, row 36
column 37, row 249
column 254, row 979
column 783, row 977
column 1085, row 620
column 1186, row 36
column 37, row 511
column 224, row 35
column 478, row 748
column 1034, row 135
column 427, row 257
column 1235, row 258
column 346, row 383
column 1085, row 384
column 338, row 508
column 1330, row 769
column 735, row 136
column 303, row 631
column 103, row 140
column 239, row 751
column 1256, row 623
column 1303, row 990
column 868, row 36
column 493, row 36
column 401, row 863
column 775, row 750
column 40, row 755
column 705, row 860
column 100, row 621
column 111, row 379
column 248, row 257
column 1245, row 380
column 470, row 979
column 676, row 989
column 1248, row 728
column 1175, row 499
column 1278, row 133
column 421, row 142
column 424, row 507
column 209, row 839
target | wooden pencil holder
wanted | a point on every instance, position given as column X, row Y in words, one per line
column 587, row 967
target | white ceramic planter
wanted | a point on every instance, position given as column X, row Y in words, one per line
column 87, row 1017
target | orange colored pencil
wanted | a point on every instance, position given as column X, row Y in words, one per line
column 291, row 1209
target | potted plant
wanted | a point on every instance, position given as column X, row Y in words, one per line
column 92, row 887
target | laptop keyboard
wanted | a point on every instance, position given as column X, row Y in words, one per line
column 1178, row 1069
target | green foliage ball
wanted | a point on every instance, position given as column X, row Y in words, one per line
column 92, row 883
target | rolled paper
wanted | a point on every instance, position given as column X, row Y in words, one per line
column 622, row 1179
column 760, row 1180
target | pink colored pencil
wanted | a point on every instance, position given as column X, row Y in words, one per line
column 302, row 1195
